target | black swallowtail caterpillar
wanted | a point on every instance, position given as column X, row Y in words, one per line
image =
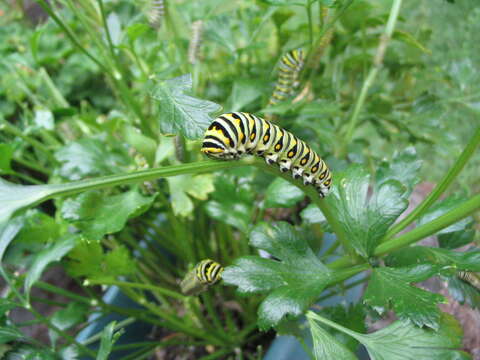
column 232, row 135
column 156, row 12
column 470, row 278
column 206, row 273
column 288, row 71
column 195, row 41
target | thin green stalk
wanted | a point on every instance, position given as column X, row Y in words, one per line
column 440, row 188
column 158, row 289
column 349, row 286
column 70, row 34
column 60, row 291
column 102, row 182
column 322, row 205
column 119, row 325
column 377, row 65
column 451, row 217
column 27, row 178
column 32, row 165
column 308, row 8
column 311, row 314
column 6, row 126
column 56, row 94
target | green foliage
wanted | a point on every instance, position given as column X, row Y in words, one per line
column 402, row 339
column 180, row 113
column 391, row 287
column 366, row 219
column 97, row 215
column 109, row 337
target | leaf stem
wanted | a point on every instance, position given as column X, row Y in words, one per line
column 158, row 289
column 377, row 65
column 440, row 188
column 451, row 217
column 322, row 205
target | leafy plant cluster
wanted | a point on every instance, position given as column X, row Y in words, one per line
column 101, row 120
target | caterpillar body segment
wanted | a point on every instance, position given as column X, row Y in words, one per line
column 206, row 273
column 233, row 135
column 288, row 71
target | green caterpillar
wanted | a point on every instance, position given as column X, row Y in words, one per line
column 233, row 135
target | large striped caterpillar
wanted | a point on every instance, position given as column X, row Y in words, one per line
column 232, row 135
column 206, row 273
column 288, row 71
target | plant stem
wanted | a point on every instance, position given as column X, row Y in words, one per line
column 440, row 188
column 312, row 193
column 73, row 38
column 308, row 8
column 75, row 187
column 5, row 125
column 158, row 289
column 451, row 217
column 32, row 165
column 377, row 65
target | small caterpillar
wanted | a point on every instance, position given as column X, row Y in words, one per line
column 232, row 135
column 470, row 278
column 195, row 41
column 206, row 273
column 288, row 71
column 156, row 12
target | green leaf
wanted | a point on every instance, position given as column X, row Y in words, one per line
column 39, row 227
column 244, row 92
column 312, row 215
column 136, row 30
column 64, row 319
column 7, row 305
column 469, row 260
column 8, row 231
column 10, row 333
column 325, row 346
column 198, row 187
column 44, row 119
column 54, row 252
column 295, row 281
column 463, row 292
column 404, row 167
column 281, row 193
column 15, row 197
column 143, row 144
column 390, row 287
column 453, row 236
column 97, row 215
column 107, row 340
column 88, row 259
column 91, row 157
column 6, row 155
column 232, row 203
column 180, row 113
column 409, row 39
column 403, row 340
column 365, row 219
column 352, row 317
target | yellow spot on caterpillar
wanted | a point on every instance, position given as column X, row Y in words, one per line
column 278, row 147
column 290, row 154
column 314, row 169
column 326, row 183
column 303, row 162
column 265, row 138
column 252, row 137
column 322, row 176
